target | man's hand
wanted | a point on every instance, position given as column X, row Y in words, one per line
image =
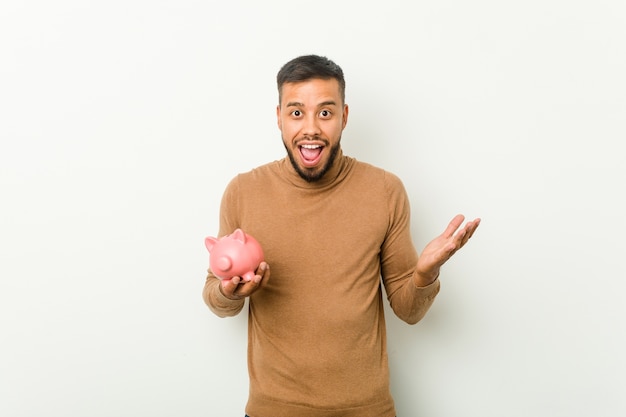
column 236, row 288
column 440, row 249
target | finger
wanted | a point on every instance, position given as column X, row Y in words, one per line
column 453, row 225
column 460, row 239
column 247, row 288
column 262, row 273
column 471, row 228
column 468, row 231
column 229, row 286
column 475, row 225
column 466, row 236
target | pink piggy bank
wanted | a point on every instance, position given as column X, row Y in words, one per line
column 237, row 254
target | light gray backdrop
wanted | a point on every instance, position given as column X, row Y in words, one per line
column 122, row 121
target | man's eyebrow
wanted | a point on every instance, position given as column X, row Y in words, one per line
column 322, row 104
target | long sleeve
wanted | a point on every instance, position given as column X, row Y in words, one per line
column 212, row 295
column 217, row 302
column 399, row 259
column 411, row 303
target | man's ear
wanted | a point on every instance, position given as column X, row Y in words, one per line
column 278, row 120
column 345, row 116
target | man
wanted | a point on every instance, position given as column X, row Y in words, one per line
column 332, row 229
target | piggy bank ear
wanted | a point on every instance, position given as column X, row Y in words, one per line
column 209, row 242
column 239, row 235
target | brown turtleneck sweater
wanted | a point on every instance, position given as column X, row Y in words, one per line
column 316, row 331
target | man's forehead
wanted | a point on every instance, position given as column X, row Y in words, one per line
column 315, row 91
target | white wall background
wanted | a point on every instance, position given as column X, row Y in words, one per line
column 122, row 121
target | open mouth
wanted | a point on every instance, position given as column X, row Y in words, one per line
column 310, row 154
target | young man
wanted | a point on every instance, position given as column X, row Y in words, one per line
column 331, row 228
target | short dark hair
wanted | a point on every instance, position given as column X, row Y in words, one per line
column 308, row 67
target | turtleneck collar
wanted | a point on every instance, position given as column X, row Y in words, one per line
column 336, row 173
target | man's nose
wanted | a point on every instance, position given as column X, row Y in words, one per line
column 311, row 126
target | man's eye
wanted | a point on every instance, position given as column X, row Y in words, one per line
column 325, row 113
column 296, row 113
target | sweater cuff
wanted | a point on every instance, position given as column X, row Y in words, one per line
column 221, row 305
column 429, row 290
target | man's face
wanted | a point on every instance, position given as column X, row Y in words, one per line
column 311, row 117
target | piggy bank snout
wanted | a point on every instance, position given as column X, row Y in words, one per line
column 223, row 263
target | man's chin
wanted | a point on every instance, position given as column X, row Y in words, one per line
column 311, row 174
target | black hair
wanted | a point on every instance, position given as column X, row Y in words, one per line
column 308, row 67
